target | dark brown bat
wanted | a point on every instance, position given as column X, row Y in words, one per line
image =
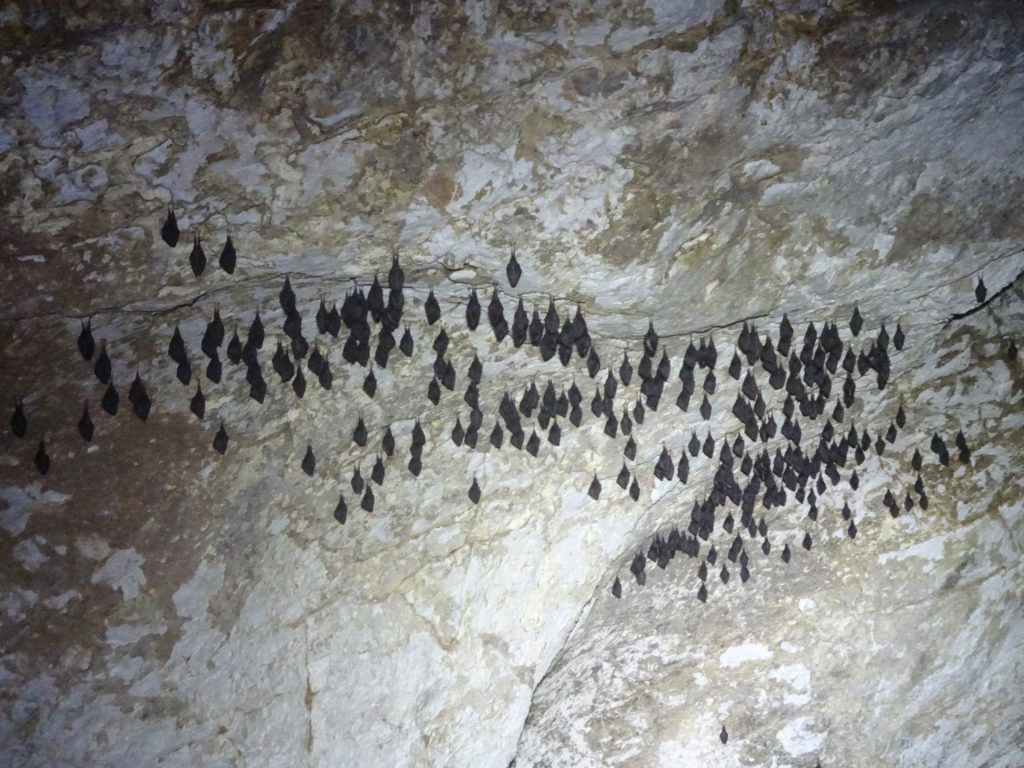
column 85, row 425
column 220, row 440
column 309, row 461
column 432, row 308
column 42, row 458
column 197, row 258
column 512, row 270
column 102, row 368
column 341, row 510
column 473, row 310
column 86, row 343
column 139, row 398
column 228, row 257
column 169, row 231
column 19, row 423
column 111, row 400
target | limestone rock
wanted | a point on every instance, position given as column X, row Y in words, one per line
column 691, row 165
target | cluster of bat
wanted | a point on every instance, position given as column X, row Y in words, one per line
column 768, row 480
column 807, row 377
column 110, row 402
column 170, row 234
column 371, row 320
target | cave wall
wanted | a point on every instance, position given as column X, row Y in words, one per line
column 695, row 164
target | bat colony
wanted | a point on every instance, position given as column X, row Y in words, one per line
column 759, row 467
column 818, row 378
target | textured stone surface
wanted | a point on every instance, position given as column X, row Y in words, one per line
column 910, row 633
column 697, row 163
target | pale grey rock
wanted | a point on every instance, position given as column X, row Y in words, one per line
column 693, row 163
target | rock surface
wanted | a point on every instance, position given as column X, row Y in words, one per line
column 694, row 163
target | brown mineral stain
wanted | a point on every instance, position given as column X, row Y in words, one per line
column 439, row 187
column 585, row 82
